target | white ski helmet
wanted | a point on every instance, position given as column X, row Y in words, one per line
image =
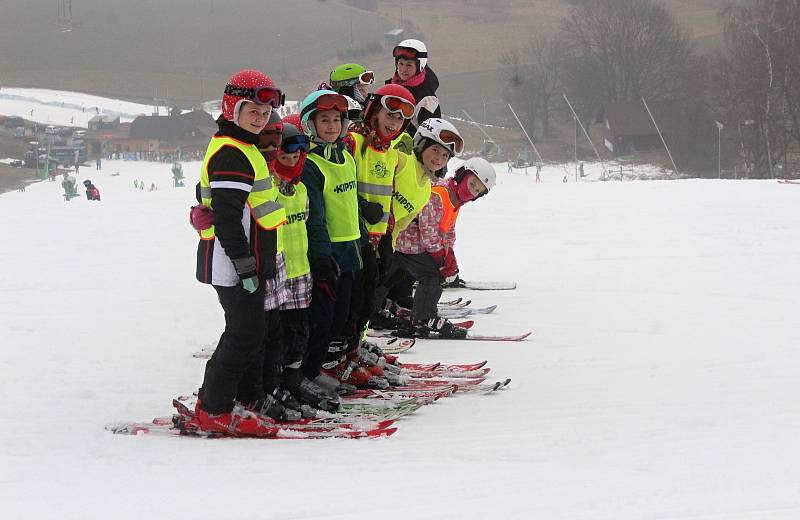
column 441, row 132
column 354, row 109
column 482, row 169
column 412, row 50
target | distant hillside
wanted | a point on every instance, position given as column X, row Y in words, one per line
column 184, row 50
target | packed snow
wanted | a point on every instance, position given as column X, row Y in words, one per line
column 660, row 383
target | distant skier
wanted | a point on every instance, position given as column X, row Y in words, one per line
column 92, row 193
column 70, row 185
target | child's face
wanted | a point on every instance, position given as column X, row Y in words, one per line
column 288, row 159
column 363, row 89
column 254, row 118
column 387, row 123
column 435, row 157
column 474, row 184
column 406, row 69
column 328, row 124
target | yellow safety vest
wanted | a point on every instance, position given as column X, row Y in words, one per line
column 262, row 200
column 292, row 236
column 340, row 197
column 412, row 191
column 375, row 174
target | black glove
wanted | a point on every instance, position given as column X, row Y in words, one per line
column 325, row 272
column 371, row 211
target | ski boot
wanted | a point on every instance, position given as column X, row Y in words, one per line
column 310, row 393
column 442, row 327
column 239, row 422
column 350, row 372
column 289, row 401
column 270, row 407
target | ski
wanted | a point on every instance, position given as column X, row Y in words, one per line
column 455, row 374
column 448, row 368
column 402, row 345
column 463, row 313
column 499, row 385
column 464, row 324
column 460, row 304
column 481, row 286
column 469, row 337
column 180, row 428
column 457, row 301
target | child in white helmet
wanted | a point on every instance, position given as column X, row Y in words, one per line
column 422, row 247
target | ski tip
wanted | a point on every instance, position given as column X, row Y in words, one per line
column 384, row 432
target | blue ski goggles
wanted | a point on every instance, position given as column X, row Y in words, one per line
column 296, row 143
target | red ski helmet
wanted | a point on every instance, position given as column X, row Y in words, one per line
column 376, row 99
column 249, row 85
column 293, row 119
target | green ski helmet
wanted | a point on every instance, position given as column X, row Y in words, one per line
column 345, row 72
column 346, row 77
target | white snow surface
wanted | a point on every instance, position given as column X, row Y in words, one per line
column 65, row 108
column 660, row 383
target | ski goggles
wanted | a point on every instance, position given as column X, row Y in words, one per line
column 408, row 54
column 452, row 140
column 365, row 78
column 259, row 95
column 331, row 102
column 271, row 137
column 296, row 143
column 398, row 105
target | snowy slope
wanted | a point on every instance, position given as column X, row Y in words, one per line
column 661, row 381
column 60, row 107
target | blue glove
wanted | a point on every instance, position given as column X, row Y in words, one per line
column 246, row 269
column 250, row 284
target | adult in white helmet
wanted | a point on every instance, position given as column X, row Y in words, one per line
column 412, row 72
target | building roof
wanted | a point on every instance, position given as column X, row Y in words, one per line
column 123, row 131
column 104, row 118
column 629, row 118
column 172, row 128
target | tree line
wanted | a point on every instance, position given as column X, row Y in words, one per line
column 608, row 51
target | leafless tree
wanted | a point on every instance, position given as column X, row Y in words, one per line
column 534, row 78
column 635, row 48
column 760, row 90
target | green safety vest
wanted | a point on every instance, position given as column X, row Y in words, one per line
column 412, row 191
column 340, row 197
column 375, row 174
column 292, row 236
column 262, row 200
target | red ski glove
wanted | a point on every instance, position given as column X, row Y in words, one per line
column 450, row 267
column 438, row 258
column 201, row 217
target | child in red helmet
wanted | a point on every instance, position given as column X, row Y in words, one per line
column 236, row 255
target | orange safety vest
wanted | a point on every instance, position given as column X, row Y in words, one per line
column 449, row 210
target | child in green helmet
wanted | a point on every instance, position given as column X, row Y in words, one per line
column 352, row 80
